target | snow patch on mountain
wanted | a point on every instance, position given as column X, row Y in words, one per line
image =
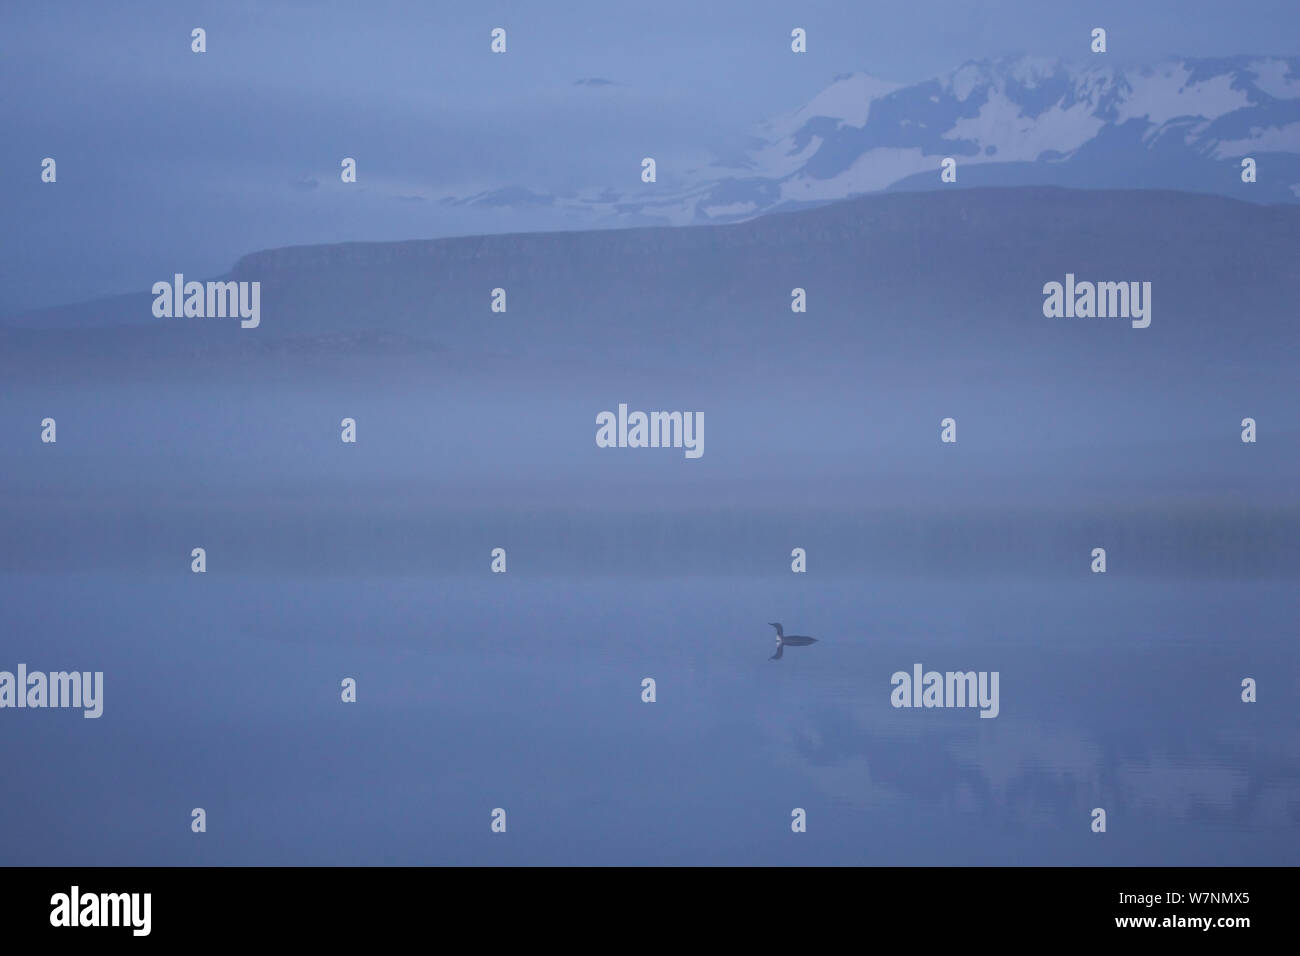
column 1003, row 125
column 780, row 159
column 1277, row 78
column 1167, row 93
column 847, row 101
column 870, row 172
column 1272, row 139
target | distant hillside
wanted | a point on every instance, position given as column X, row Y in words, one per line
column 943, row 276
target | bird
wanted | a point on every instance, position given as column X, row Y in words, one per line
column 794, row 640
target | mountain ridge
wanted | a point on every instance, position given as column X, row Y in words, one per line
column 1182, row 123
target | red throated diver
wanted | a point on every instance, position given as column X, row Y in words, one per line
column 794, row 640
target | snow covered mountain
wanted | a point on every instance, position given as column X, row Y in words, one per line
column 1181, row 124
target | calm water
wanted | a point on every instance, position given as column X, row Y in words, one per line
column 523, row 692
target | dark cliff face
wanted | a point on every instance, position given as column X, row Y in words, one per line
column 922, row 278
